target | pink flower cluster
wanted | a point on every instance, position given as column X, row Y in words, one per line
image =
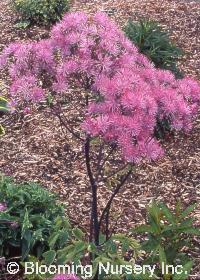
column 129, row 93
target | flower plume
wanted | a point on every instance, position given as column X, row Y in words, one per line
column 129, row 94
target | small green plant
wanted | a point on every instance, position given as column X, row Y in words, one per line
column 74, row 251
column 154, row 42
column 3, row 109
column 119, row 250
column 168, row 235
column 27, row 218
column 40, row 11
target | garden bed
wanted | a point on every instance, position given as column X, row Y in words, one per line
column 35, row 147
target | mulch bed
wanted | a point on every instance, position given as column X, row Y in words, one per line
column 35, row 147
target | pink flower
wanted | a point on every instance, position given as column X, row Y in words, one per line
column 3, row 207
column 27, row 110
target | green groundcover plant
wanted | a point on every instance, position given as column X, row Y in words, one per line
column 154, row 42
column 74, row 253
column 41, row 11
column 27, row 218
column 169, row 235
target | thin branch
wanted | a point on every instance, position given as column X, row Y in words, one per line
column 94, row 213
column 116, row 171
column 105, row 160
column 62, row 122
column 115, row 192
column 107, row 222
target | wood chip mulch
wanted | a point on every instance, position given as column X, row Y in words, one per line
column 35, row 147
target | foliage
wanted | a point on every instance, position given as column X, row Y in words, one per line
column 120, row 249
column 26, row 219
column 3, row 109
column 168, row 234
column 40, row 11
column 76, row 249
column 128, row 95
column 64, row 244
column 154, row 42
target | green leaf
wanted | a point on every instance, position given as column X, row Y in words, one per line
column 26, row 223
column 142, row 229
column 186, row 271
column 26, row 243
column 193, row 231
column 170, row 217
column 150, row 245
column 178, row 208
column 155, row 226
column 80, row 246
column 65, row 254
column 92, row 248
column 187, row 211
column 53, row 239
column 154, row 217
column 187, row 223
column 162, row 256
column 79, row 234
column 63, row 237
column 64, row 258
column 49, row 257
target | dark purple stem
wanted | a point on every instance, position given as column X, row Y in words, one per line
column 94, row 211
column 106, row 210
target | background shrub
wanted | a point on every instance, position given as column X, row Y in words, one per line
column 154, row 42
column 41, row 11
column 27, row 218
column 169, row 234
